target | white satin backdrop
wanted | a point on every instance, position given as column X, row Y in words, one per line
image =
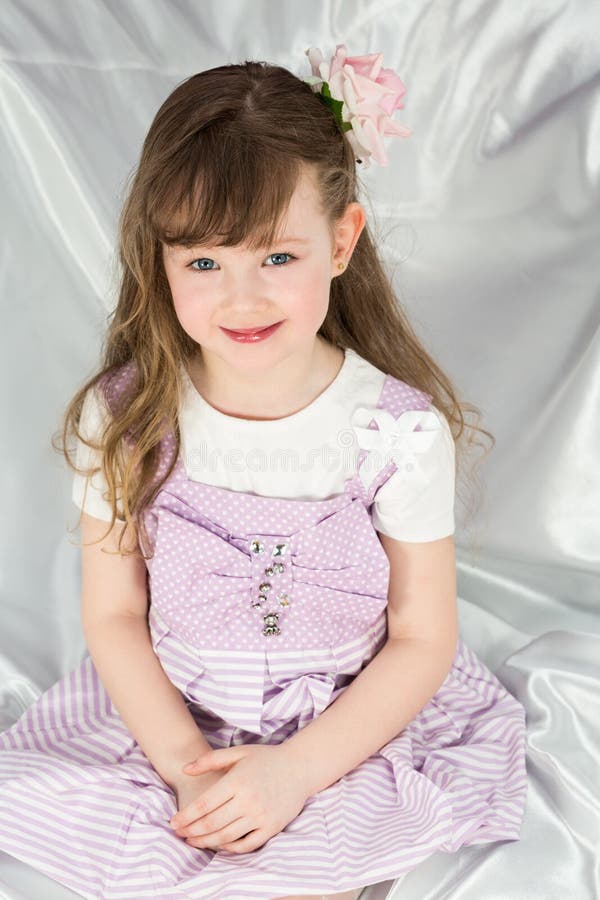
column 488, row 218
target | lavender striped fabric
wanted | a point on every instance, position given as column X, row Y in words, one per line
column 80, row 801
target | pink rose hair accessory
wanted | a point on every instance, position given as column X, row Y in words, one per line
column 362, row 95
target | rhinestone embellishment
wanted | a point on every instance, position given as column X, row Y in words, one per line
column 271, row 626
column 270, row 617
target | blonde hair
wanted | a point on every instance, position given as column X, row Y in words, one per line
column 221, row 160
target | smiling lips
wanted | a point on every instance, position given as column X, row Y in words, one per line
column 250, row 330
column 251, row 335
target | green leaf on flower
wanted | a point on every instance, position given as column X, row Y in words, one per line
column 334, row 105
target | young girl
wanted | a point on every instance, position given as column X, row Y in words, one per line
column 266, row 468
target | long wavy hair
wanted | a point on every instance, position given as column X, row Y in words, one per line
column 221, row 160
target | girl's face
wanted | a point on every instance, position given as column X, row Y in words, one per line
column 214, row 288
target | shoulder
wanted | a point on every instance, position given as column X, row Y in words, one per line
column 416, row 502
column 388, row 414
column 117, row 385
column 106, row 398
column 95, row 413
column 400, row 423
column 397, row 396
column 375, row 387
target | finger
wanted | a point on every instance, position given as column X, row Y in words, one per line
column 214, row 759
column 232, row 832
column 212, row 822
column 246, row 843
column 214, row 797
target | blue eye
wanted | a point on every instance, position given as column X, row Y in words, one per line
column 281, row 254
column 209, row 260
column 203, row 259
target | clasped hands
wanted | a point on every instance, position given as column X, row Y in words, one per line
column 258, row 795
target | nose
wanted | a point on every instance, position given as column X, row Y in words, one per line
column 246, row 299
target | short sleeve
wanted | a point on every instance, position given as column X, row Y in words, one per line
column 87, row 493
column 414, row 510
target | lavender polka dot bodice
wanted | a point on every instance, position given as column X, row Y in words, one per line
column 262, row 607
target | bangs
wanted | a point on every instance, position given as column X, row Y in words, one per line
column 219, row 191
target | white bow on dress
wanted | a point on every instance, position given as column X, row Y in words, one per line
column 396, row 439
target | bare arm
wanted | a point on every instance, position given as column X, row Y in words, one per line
column 400, row 680
column 114, row 606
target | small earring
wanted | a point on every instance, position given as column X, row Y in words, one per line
column 340, row 265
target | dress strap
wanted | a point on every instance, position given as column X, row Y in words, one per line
column 389, row 434
column 118, row 387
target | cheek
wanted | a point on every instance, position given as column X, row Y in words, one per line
column 315, row 298
column 309, row 293
column 190, row 304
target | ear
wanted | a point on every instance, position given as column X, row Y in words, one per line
column 346, row 234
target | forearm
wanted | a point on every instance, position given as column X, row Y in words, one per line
column 151, row 707
column 381, row 700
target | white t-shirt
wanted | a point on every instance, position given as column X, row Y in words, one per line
column 307, row 455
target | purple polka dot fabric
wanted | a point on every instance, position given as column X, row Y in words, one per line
column 262, row 612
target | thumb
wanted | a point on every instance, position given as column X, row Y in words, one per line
column 213, row 759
